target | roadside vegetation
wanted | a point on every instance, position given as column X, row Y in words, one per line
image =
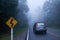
column 16, row 32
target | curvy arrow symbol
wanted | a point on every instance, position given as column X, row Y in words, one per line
column 11, row 22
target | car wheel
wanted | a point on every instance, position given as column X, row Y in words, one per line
column 44, row 32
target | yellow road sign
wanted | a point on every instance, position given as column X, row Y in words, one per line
column 11, row 22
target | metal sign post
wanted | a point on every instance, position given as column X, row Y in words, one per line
column 11, row 33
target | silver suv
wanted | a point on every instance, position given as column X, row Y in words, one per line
column 39, row 28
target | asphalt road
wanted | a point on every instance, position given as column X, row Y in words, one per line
column 52, row 34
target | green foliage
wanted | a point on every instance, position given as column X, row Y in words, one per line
column 11, row 8
column 51, row 10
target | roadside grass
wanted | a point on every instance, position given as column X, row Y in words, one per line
column 5, row 37
column 16, row 32
column 58, row 28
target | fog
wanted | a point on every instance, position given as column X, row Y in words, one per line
column 35, row 10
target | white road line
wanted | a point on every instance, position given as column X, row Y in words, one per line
column 54, row 34
column 28, row 34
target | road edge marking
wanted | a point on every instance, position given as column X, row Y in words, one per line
column 28, row 34
column 54, row 34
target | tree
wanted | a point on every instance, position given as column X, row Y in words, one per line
column 51, row 10
column 10, row 8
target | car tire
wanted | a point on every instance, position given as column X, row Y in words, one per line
column 44, row 32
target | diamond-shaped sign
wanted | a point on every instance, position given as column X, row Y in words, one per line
column 11, row 22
